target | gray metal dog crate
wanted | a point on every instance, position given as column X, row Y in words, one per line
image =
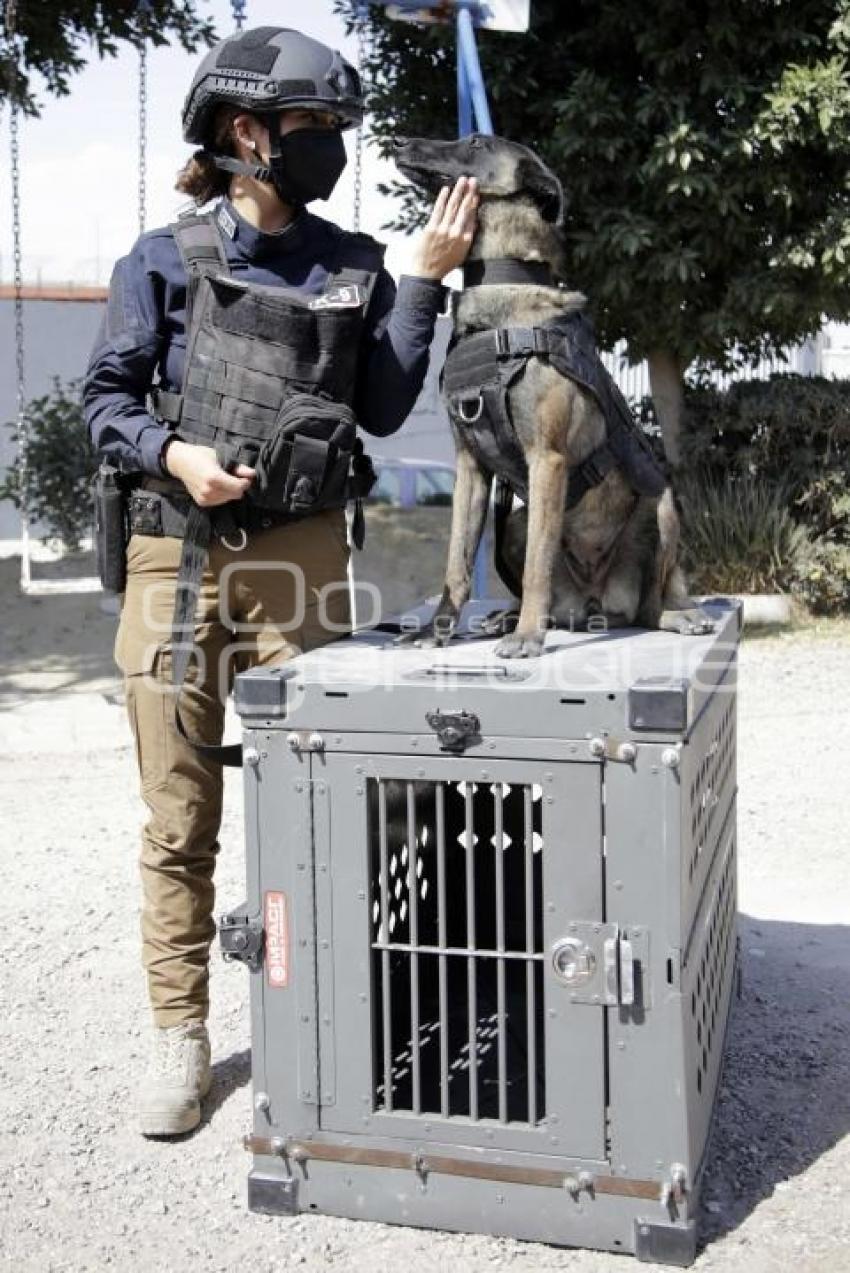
column 491, row 922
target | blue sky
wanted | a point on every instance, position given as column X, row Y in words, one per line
column 79, row 187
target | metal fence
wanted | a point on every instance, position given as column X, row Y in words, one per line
column 802, row 360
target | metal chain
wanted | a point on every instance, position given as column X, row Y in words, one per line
column 144, row 12
column 143, row 130
column 13, row 48
column 18, row 277
column 358, row 143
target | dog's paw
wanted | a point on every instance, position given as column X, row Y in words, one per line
column 427, row 638
column 499, row 623
column 520, row 645
column 691, row 622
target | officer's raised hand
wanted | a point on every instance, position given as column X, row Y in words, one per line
column 445, row 242
column 207, row 482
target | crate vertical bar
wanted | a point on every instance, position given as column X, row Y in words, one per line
column 471, row 961
column 386, row 1004
column 443, row 991
column 530, row 947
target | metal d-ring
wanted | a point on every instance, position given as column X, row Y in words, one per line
column 235, row 548
column 471, row 419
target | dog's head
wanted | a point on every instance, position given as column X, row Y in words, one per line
column 502, row 169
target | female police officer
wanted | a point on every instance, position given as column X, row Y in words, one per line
column 256, row 332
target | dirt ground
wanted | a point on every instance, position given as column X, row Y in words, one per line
column 80, row 1190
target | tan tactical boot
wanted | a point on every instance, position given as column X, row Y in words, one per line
column 169, row 1100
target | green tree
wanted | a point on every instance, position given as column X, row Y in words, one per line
column 52, row 39
column 703, row 146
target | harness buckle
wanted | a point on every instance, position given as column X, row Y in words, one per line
column 594, row 470
column 479, row 409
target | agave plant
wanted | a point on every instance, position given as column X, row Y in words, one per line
column 740, row 534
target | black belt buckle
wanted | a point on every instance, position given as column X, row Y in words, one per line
column 594, row 472
column 540, row 341
column 145, row 514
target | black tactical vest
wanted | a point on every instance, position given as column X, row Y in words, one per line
column 270, row 373
column 477, row 377
column 269, row 381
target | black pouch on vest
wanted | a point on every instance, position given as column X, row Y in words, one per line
column 304, row 465
column 110, row 528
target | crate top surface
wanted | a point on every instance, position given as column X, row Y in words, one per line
column 589, row 667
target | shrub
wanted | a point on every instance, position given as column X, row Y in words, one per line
column 823, row 578
column 60, row 466
column 789, row 436
column 739, row 534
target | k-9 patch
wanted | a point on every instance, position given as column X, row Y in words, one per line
column 343, row 296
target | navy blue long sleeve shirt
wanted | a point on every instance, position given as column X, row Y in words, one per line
column 143, row 335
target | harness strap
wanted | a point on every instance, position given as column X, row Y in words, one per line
column 193, row 561
column 503, row 500
column 589, row 473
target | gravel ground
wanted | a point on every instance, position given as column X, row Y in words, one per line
column 80, row 1190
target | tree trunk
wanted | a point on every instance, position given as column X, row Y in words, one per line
column 667, row 385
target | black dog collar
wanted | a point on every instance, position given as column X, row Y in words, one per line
column 507, row 269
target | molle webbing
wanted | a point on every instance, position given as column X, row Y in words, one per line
column 248, row 345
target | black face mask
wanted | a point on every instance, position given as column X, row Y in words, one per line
column 307, row 164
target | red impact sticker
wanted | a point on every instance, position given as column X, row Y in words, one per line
column 277, row 940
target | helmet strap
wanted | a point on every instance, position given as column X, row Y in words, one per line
column 260, row 172
column 272, row 123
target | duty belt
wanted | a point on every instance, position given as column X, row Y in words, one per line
column 161, row 512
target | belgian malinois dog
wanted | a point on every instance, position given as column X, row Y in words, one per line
column 611, row 559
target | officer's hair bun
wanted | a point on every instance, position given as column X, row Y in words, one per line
column 200, row 179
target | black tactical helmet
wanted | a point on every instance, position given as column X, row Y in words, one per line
column 270, row 69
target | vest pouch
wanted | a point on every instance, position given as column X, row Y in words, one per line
column 304, row 465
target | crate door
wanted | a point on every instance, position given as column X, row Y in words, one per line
column 439, row 899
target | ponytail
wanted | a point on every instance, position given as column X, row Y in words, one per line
column 199, row 178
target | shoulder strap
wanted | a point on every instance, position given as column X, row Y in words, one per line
column 199, row 244
column 202, row 252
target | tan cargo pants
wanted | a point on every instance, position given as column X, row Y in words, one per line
column 284, row 593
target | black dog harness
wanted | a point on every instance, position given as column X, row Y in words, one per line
column 480, row 371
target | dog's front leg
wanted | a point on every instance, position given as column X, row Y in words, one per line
column 547, row 488
column 469, row 513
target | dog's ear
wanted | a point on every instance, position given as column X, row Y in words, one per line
column 542, row 184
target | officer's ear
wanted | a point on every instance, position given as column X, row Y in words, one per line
column 249, row 136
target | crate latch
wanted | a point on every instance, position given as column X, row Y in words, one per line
column 455, row 730
column 241, row 937
column 596, row 963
